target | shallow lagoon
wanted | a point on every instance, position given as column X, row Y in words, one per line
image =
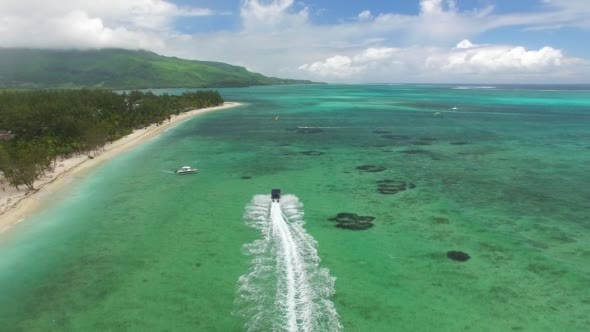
column 503, row 177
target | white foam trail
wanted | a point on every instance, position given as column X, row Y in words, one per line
column 306, row 127
column 472, row 87
column 285, row 290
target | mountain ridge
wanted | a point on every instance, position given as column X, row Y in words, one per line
column 113, row 68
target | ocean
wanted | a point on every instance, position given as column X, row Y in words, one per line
column 404, row 207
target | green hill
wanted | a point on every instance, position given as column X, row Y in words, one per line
column 119, row 69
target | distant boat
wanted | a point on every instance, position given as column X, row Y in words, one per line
column 454, row 108
column 275, row 194
column 186, row 170
column 276, row 118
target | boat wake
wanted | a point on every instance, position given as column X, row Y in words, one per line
column 308, row 127
column 285, row 289
column 472, row 87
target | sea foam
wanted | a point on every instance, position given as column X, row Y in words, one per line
column 285, row 289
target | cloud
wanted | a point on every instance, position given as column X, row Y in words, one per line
column 280, row 38
column 365, row 15
column 87, row 23
column 374, row 54
column 430, row 6
column 467, row 62
column 465, row 44
column 257, row 16
column 567, row 13
column 502, row 59
column 338, row 66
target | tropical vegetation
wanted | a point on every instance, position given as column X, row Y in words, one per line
column 50, row 124
column 119, row 69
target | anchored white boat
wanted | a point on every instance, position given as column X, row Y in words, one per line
column 186, row 170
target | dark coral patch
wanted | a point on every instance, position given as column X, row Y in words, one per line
column 371, row 168
column 345, row 217
column 414, row 151
column 365, row 219
column 245, row 177
column 312, row 153
column 390, row 187
column 306, row 130
column 395, row 137
column 352, row 221
column 458, row 256
column 440, row 220
column 356, row 226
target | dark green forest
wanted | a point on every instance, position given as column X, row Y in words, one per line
column 120, row 69
column 51, row 124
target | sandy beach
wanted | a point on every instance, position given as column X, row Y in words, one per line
column 16, row 205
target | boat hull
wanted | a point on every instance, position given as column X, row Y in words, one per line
column 186, row 172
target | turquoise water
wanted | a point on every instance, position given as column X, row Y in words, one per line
column 503, row 176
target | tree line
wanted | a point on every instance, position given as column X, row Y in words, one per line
column 51, row 124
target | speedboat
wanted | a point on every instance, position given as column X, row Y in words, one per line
column 275, row 194
column 186, row 170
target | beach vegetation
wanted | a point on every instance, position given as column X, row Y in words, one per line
column 48, row 125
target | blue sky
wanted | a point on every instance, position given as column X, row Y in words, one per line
column 329, row 12
column 471, row 41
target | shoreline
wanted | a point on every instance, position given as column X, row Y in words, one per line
column 16, row 206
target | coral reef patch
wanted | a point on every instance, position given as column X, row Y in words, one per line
column 420, row 143
column 390, row 187
column 312, row 153
column 415, row 151
column 458, row 256
column 395, row 137
column 352, row 221
column 371, row 168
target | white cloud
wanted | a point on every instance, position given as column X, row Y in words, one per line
column 338, row 66
column 365, row 15
column 258, row 16
column 279, row 38
column 87, row 23
column 465, row 43
column 503, row 59
column 469, row 63
column 374, row 54
column 572, row 13
column 429, row 7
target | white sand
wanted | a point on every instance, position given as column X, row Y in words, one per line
column 15, row 205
